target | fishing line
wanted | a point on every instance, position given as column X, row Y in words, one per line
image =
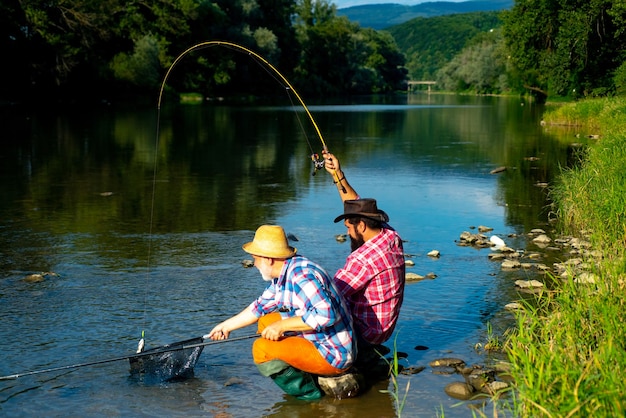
column 317, row 163
column 268, row 66
column 277, row 76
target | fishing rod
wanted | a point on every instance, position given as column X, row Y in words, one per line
column 318, row 163
column 156, row 351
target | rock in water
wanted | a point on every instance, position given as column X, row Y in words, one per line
column 347, row 385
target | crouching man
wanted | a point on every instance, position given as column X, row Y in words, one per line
column 305, row 325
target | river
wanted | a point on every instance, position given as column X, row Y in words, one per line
column 139, row 236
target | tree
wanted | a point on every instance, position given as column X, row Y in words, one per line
column 479, row 67
column 430, row 43
column 566, row 47
column 338, row 57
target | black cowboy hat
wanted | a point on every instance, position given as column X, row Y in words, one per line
column 365, row 208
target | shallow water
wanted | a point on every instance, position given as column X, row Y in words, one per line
column 77, row 191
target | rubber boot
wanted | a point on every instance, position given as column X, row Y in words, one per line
column 271, row 367
column 297, row 383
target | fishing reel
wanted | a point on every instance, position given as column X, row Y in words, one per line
column 318, row 163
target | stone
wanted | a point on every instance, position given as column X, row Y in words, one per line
column 511, row 264
column 412, row 370
column 447, row 362
column 459, row 390
column 347, row 385
column 434, row 254
column 586, row 278
column 542, row 239
column 413, row 277
column 341, row 238
column 513, row 306
column 528, row 284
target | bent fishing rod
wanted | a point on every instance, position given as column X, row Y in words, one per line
column 156, row 351
column 317, row 163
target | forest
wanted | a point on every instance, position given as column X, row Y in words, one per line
column 92, row 49
column 84, row 50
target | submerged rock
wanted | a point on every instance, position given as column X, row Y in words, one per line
column 34, row 278
column 447, row 362
column 39, row 277
column 341, row 238
column 459, row 390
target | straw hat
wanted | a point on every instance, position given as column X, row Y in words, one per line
column 365, row 208
column 270, row 241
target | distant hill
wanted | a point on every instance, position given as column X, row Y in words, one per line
column 382, row 16
column 428, row 43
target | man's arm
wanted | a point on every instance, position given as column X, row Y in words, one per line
column 332, row 165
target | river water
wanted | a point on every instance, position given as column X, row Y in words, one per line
column 147, row 237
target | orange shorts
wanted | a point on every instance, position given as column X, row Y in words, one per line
column 296, row 351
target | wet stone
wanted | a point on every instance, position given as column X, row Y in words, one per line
column 459, row 390
column 412, row 370
column 347, row 385
column 447, row 362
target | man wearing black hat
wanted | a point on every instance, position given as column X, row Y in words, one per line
column 372, row 280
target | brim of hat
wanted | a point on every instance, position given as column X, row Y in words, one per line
column 380, row 217
column 252, row 248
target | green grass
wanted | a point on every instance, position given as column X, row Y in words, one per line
column 569, row 349
column 399, row 399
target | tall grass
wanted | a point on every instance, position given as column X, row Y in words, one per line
column 592, row 197
column 568, row 353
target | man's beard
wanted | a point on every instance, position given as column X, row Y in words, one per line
column 266, row 273
column 356, row 242
column 266, row 277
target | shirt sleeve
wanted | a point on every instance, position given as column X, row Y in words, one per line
column 318, row 309
column 265, row 303
column 352, row 277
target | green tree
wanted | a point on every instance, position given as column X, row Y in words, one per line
column 104, row 47
column 480, row 67
column 64, row 36
column 566, row 47
column 338, row 57
column 142, row 67
column 430, row 43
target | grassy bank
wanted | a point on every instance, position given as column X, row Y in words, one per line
column 569, row 352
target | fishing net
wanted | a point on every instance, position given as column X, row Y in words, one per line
column 167, row 363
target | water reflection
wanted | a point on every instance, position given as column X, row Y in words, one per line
column 77, row 190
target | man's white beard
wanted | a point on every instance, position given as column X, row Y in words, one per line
column 266, row 273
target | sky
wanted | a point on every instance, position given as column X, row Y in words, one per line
column 349, row 3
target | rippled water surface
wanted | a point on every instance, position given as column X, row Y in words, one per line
column 77, row 200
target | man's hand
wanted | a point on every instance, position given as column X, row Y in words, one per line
column 331, row 163
column 217, row 333
column 274, row 331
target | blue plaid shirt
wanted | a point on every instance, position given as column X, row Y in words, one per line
column 305, row 289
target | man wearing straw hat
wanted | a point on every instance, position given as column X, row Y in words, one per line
column 372, row 279
column 304, row 323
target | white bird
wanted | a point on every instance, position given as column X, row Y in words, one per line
column 497, row 242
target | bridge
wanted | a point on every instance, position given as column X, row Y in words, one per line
column 410, row 84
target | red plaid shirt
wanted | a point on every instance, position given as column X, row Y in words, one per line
column 372, row 282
